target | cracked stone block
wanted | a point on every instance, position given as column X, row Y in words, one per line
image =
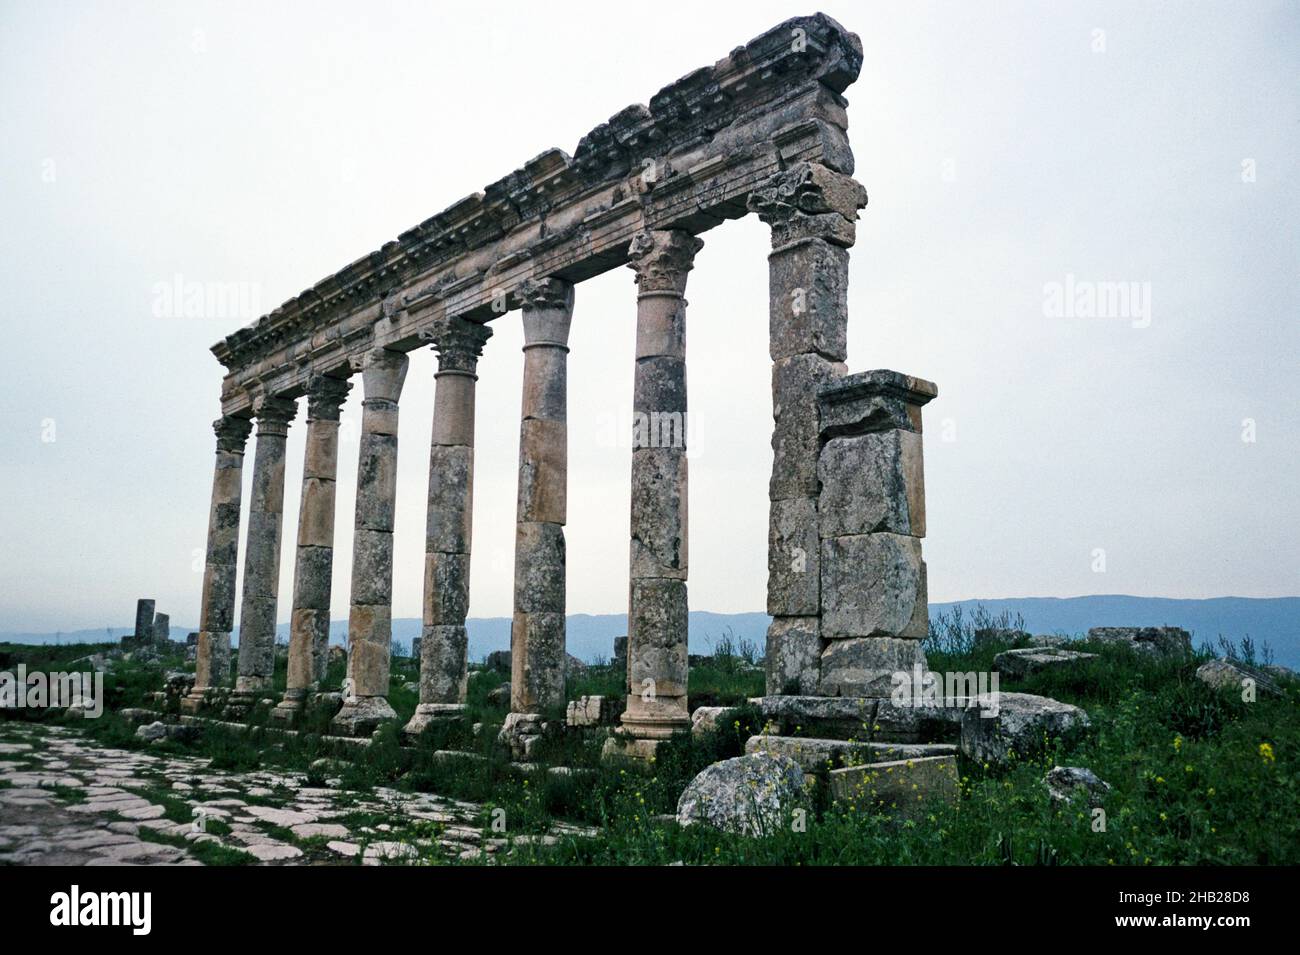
column 865, row 666
column 873, row 585
column 793, row 659
column 871, row 483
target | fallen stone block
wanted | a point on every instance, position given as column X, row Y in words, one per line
column 1239, row 677
column 1022, row 663
column 1024, row 725
column 1066, row 782
column 1158, row 641
column 752, row 795
column 907, row 786
column 825, row 755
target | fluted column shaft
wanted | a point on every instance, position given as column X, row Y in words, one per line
column 370, row 620
column 657, row 605
column 444, row 644
column 314, row 562
column 262, row 548
column 537, row 634
column 217, row 614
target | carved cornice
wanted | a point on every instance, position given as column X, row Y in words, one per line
column 458, row 342
column 686, row 161
column 232, row 433
column 662, row 259
column 325, row 397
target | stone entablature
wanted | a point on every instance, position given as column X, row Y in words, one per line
column 688, row 161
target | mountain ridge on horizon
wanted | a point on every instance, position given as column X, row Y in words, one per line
column 1267, row 620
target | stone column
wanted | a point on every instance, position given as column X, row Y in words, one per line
column 657, row 606
column 871, row 515
column 217, row 614
column 537, row 632
column 443, row 643
column 812, row 211
column 262, row 553
column 370, row 621
column 309, row 627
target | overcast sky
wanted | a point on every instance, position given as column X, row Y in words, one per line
column 1005, row 147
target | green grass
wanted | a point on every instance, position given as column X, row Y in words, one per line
column 1198, row 776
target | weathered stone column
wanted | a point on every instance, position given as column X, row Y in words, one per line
column 443, row 642
column 812, row 211
column 657, row 605
column 309, row 627
column 537, row 632
column 217, row 614
column 370, row 622
column 262, row 552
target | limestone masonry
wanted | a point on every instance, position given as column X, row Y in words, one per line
column 763, row 130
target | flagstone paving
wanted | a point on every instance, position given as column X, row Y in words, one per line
column 64, row 800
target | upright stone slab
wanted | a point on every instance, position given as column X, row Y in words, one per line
column 444, row 643
column 812, row 211
column 217, row 614
column 537, row 630
column 370, row 621
column 309, row 627
column 871, row 518
column 657, row 611
column 162, row 629
column 144, row 616
column 257, row 613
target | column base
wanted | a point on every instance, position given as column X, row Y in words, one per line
column 656, row 720
column 239, row 704
column 521, row 732
column 192, row 702
column 286, row 712
column 361, row 716
column 429, row 714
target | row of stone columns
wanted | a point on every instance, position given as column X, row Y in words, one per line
column 811, row 211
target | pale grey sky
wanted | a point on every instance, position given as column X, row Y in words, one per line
column 1004, row 147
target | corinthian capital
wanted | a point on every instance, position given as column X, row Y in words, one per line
column 273, row 413
column 546, row 293
column 232, row 433
column 662, row 259
column 458, row 342
column 809, row 201
column 325, row 396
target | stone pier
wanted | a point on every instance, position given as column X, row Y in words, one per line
column 217, row 612
column 812, row 211
column 309, row 625
column 370, row 621
column 257, row 615
column 443, row 645
column 657, row 607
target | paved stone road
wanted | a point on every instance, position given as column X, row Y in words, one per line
column 65, row 801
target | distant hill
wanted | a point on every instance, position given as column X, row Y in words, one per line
column 1271, row 620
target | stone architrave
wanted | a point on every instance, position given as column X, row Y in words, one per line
column 812, row 211
column 657, row 610
column 217, row 614
column 443, row 643
column 537, row 630
column 370, row 621
column 314, row 562
column 257, row 615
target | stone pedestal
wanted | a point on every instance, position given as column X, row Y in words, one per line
column 871, row 515
column 812, row 211
column 537, row 631
column 657, row 611
column 309, row 627
column 217, row 614
column 370, row 621
column 262, row 553
column 443, row 644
